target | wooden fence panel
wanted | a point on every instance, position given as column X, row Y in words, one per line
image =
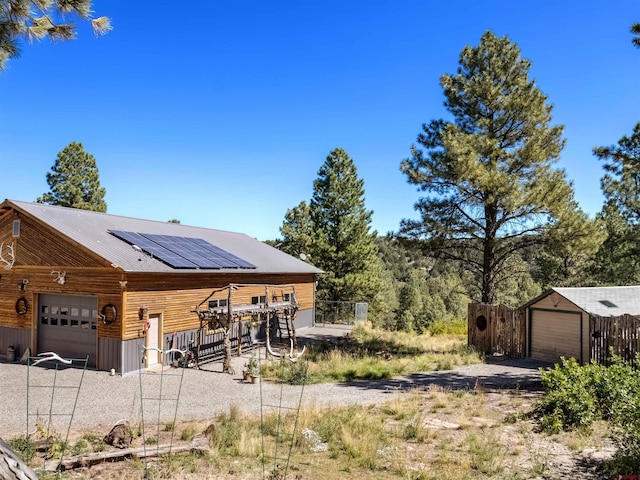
column 496, row 329
column 620, row 334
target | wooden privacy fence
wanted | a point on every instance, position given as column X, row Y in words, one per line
column 496, row 329
column 622, row 334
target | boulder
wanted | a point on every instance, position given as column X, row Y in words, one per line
column 120, row 436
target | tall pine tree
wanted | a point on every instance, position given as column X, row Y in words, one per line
column 74, row 181
column 343, row 244
column 619, row 257
column 493, row 191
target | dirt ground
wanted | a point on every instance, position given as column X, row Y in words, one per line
column 489, row 402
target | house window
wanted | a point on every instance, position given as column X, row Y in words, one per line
column 286, row 297
column 223, row 302
column 258, row 300
column 16, row 228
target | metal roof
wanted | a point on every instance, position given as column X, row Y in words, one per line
column 91, row 230
column 604, row 301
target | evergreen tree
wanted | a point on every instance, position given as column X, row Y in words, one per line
column 410, row 303
column 296, row 231
column 493, row 191
column 37, row 19
column 342, row 243
column 635, row 29
column 74, row 181
column 617, row 259
column 622, row 175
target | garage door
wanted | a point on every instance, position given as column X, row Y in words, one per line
column 555, row 335
column 67, row 326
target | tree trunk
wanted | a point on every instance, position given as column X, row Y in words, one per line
column 11, row 467
column 489, row 255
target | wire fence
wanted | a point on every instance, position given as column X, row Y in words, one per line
column 340, row 312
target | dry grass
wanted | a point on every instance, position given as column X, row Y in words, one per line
column 436, row 433
column 369, row 354
column 388, row 441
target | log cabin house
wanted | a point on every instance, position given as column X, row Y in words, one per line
column 83, row 283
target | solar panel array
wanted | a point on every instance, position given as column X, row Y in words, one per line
column 183, row 252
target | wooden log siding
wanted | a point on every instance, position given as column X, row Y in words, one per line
column 78, row 281
column 504, row 333
column 622, row 334
column 176, row 306
column 39, row 245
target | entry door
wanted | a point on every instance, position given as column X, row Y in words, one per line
column 153, row 340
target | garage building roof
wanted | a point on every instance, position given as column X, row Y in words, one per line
column 91, row 230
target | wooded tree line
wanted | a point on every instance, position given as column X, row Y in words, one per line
column 498, row 222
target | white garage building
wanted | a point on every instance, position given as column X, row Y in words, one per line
column 558, row 321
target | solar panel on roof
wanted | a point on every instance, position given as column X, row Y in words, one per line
column 183, row 252
column 180, row 246
column 239, row 262
column 154, row 249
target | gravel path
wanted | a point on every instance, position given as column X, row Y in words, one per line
column 103, row 400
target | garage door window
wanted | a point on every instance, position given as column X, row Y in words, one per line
column 68, row 326
column 67, row 317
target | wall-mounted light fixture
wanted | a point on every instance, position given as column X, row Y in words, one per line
column 22, row 286
column 142, row 312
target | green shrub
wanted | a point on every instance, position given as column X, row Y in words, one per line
column 569, row 400
column 576, row 395
column 449, row 327
column 24, row 447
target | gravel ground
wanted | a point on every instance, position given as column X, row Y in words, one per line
column 103, row 400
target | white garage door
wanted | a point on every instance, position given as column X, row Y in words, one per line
column 555, row 335
column 67, row 325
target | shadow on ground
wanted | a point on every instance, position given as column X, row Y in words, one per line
column 495, row 374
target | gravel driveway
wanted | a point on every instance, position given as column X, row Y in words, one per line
column 103, row 400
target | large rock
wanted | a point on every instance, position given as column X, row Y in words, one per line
column 119, row 436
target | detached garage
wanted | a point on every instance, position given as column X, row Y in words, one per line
column 558, row 323
column 88, row 284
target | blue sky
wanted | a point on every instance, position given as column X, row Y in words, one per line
column 220, row 113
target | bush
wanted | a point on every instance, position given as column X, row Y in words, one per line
column 569, row 400
column 450, row 327
column 24, row 447
column 577, row 395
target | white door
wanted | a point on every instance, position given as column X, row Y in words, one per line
column 555, row 335
column 153, row 340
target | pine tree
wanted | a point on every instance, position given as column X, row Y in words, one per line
column 34, row 20
column 74, row 181
column 617, row 262
column 342, row 243
column 489, row 172
column 296, row 231
column 635, row 29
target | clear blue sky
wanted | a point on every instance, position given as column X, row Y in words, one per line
column 220, row 113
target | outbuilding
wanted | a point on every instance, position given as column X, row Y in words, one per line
column 83, row 283
column 560, row 322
